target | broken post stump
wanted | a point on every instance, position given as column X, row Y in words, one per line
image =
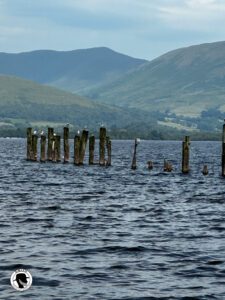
column 34, row 147
column 109, row 151
column 134, row 160
column 167, row 166
column 29, row 143
column 223, row 151
column 50, row 140
column 91, row 149
column 150, row 165
column 102, row 140
column 205, row 170
column 185, row 155
column 66, row 144
column 43, row 148
column 77, row 150
column 83, row 144
column 58, row 148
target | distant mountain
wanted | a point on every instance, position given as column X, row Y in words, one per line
column 74, row 71
column 186, row 82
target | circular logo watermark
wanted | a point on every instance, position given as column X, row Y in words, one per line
column 21, row 280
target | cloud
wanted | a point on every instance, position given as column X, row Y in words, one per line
column 140, row 28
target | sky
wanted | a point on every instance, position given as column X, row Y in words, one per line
column 139, row 28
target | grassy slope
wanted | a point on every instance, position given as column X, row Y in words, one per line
column 185, row 81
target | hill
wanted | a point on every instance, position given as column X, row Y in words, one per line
column 74, row 71
column 24, row 103
column 185, row 82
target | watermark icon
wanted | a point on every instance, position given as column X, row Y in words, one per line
column 21, row 280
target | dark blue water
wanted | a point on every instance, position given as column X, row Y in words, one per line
column 111, row 233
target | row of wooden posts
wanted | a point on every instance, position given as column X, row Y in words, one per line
column 80, row 143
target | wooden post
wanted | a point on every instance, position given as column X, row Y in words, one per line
column 109, row 150
column 34, row 147
column 205, row 170
column 29, row 143
column 43, row 148
column 83, row 144
column 185, row 155
column 66, row 144
column 77, row 149
column 223, row 151
column 50, row 140
column 91, row 149
column 167, row 166
column 134, row 160
column 58, row 148
column 54, row 148
column 150, row 165
column 102, row 140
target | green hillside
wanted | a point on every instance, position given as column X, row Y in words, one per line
column 185, row 82
column 74, row 71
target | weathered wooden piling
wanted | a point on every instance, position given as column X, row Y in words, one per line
column 58, row 148
column 150, row 165
column 223, row 151
column 134, row 160
column 54, row 148
column 91, row 149
column 50, row 140
column 77, row 149
column 167, row 166
column 83, row 144
column 205, row 170
column 66, row 144
column 185, row 155
column 34, row 147
column 102, row 140
column 29, row 143
column 43, row 148
column 109, row 151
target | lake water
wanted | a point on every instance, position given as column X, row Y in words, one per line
column 112, row 233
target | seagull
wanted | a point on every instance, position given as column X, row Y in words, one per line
column 35, row 131
column 42, row 132
column 67, row 124
column 78, row 132
column 54, row 134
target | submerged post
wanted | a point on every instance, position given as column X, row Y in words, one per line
column 150, row 165
column 77, row 149
column 185, row 155
column 83, row 144
column 167, row 166
column 66, row 144
column 34, row 146
column 43, row 148
column 223, row 151
column 58, row 148
column 29, row 143
column 109, row 150
column 134, row 160
column 102, row 140
column 205, row 170
column 50, row 140
column 91, row 149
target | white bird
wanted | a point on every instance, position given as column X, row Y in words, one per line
column 78, row 131
column 35, row 131
column 42, row 132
